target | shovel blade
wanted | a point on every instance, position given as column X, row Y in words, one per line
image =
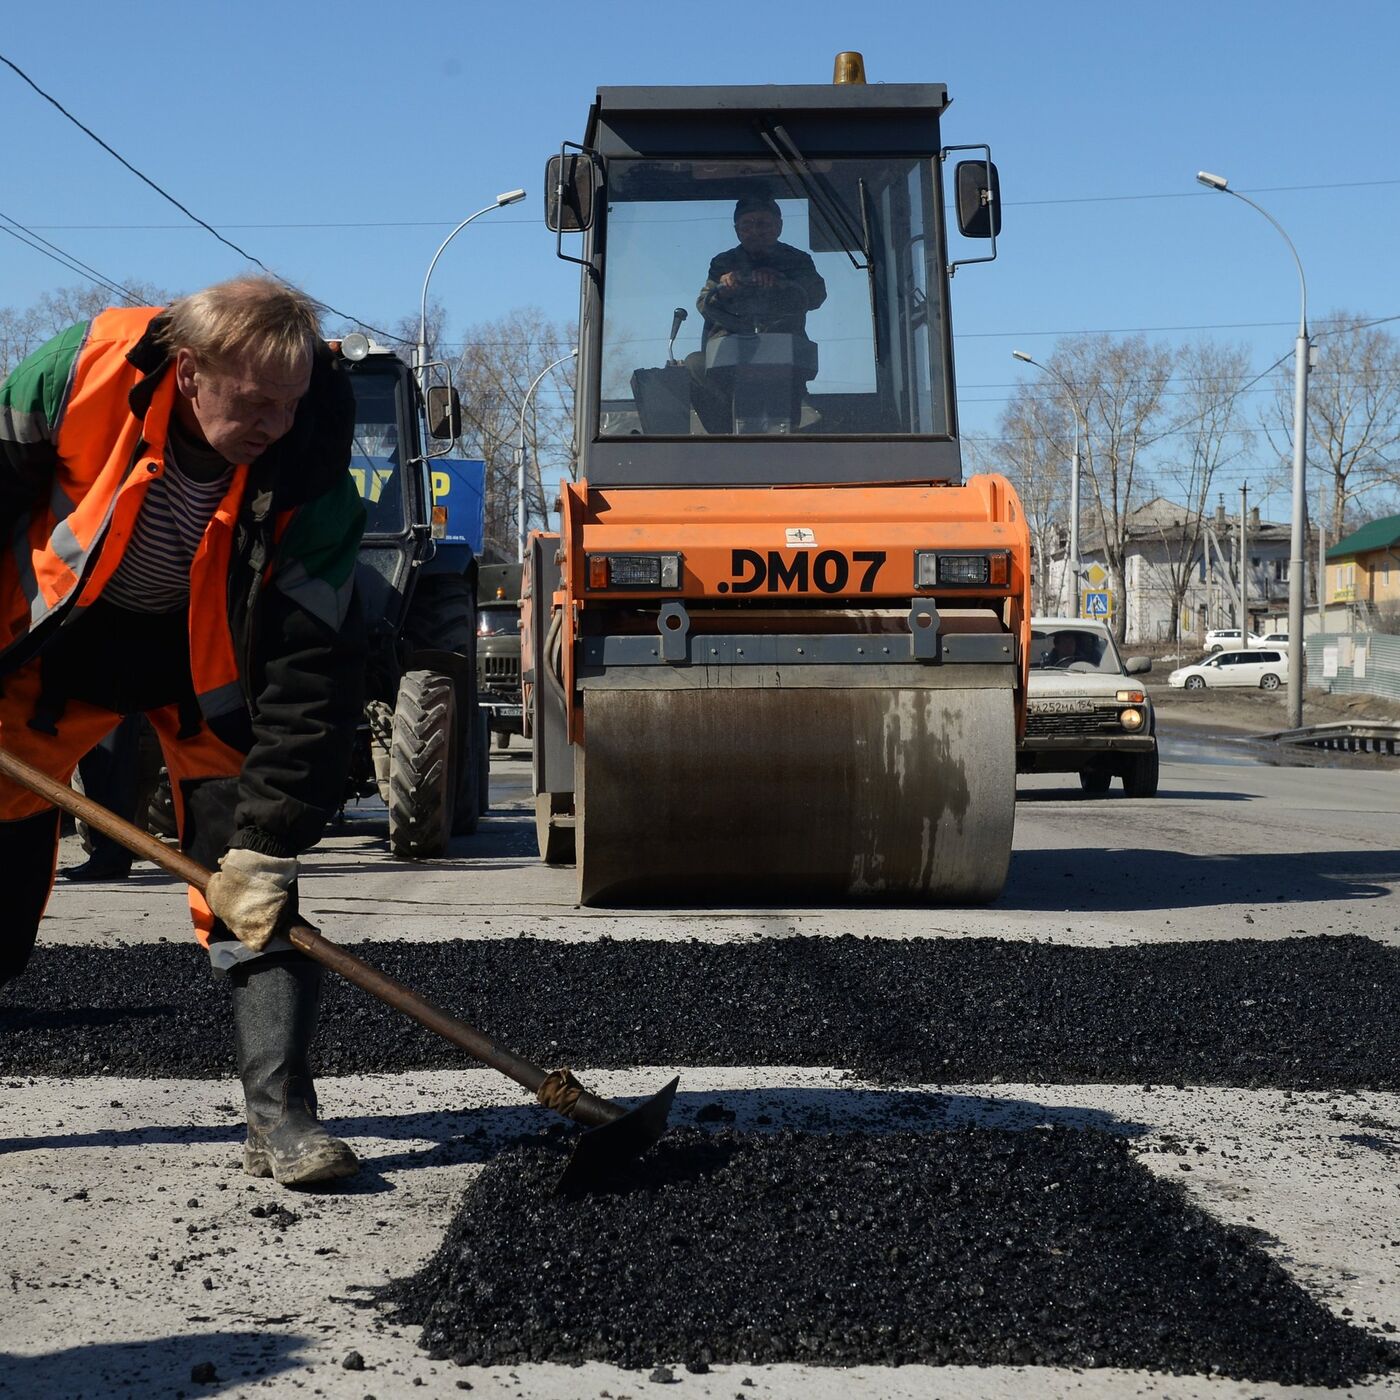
column 600, row 1152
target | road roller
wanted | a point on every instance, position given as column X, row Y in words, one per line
column 777, row 647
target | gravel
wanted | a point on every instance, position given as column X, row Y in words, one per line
column 971, row 1247
column 1298, row 1013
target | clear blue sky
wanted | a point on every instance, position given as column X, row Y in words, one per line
column 339, row 143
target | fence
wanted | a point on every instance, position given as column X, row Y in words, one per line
column 1355, row 663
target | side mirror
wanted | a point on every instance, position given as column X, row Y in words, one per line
column 979, row 199
column 568, row 193
column 444, row 413
column 1138, row 665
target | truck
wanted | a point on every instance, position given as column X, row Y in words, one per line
column 498, row 650
column 422, row 745
column 778, row 642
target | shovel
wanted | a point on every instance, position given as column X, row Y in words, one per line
column 614, row 1134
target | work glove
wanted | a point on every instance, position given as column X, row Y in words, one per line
column 248, row 893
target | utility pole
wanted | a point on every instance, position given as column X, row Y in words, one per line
column 1244, row 564
column 1321, row 556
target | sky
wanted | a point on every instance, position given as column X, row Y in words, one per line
column 340, row 144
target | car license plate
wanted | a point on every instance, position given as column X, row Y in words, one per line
column 1062, row 707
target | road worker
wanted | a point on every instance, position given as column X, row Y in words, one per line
column 183, row 532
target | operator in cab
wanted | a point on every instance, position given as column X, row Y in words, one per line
column 762, row 286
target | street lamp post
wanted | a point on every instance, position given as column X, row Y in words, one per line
column 1296, row 566
column 1073, row 478
column 420, row 354
column 522, row 515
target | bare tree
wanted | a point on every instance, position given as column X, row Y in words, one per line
column 499, row 361
column 1353, row 411
column 1032, row 448
column 1117, row 387
column 1206, row 436
column 24, row 329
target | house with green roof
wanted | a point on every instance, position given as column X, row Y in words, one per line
column 1364, row 567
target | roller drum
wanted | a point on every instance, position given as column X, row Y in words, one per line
column 796, row 793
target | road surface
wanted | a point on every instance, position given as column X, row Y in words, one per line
column 135, row 1251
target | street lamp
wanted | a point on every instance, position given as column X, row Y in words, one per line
column 1073, row 474
column 1298, row 653
column 522, row 516
column 421, row 352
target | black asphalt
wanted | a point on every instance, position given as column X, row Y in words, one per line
column 973, row 1247
column 1296, row 1013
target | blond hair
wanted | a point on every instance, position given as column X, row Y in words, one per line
column 254, row 321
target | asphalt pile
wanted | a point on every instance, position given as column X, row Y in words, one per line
column 1298, row 1013
column 973, row 1247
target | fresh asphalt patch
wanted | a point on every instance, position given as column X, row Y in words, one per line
column 1299, row 1013
column 971, row 1247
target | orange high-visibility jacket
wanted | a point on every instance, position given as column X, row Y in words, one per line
column 83, row 426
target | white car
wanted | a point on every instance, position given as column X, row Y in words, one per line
column 1230, row 637
column 1274, row 639
column 1265, row 667
column 1085, row 713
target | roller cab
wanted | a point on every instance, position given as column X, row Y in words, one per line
column 778, row 645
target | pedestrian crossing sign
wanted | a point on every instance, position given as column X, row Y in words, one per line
column 1098, row 603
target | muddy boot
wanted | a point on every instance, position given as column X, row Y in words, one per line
column 274, row 1019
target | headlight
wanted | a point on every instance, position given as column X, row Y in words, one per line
column 1131, row 719
column 933, row 569
column 1130, row 697
column 634, row 571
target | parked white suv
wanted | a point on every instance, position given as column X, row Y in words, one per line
column 1084, row 713
column 1230, row 637
column 1266, row 667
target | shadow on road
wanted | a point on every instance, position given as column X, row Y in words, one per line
column 156, row 1366
column 1131, row 878
column 477, row 1134
column 1076, row 794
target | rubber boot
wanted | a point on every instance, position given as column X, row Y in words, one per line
column 27, row 848
column 274, row 1020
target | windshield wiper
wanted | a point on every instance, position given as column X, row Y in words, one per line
column 818, row 190
column 833, row 210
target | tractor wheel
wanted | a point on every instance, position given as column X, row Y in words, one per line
column 160, row 809
column 503, row 739
column 1141, row 775
column 1095, row 781
column 424, row 768
column 442, row 617
column 381, row 739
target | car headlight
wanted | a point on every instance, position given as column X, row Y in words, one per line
column 1131, row 720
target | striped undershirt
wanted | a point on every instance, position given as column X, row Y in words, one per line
column 154, row 574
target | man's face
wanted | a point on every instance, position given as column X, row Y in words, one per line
column 240, row 409
column 758, row 230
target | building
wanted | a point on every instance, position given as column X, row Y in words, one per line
column 1171, row 553
column 1363, row 569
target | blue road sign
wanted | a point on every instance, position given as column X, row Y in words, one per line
column 1096, row 603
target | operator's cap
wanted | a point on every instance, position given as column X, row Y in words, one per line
column 757, row 204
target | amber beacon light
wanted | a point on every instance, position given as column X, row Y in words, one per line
column 850, row 68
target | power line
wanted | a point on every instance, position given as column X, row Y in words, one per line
column 64, row 259
column 170, row 198
column 1010, row 203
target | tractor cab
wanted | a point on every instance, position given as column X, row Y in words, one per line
column 767, row 290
